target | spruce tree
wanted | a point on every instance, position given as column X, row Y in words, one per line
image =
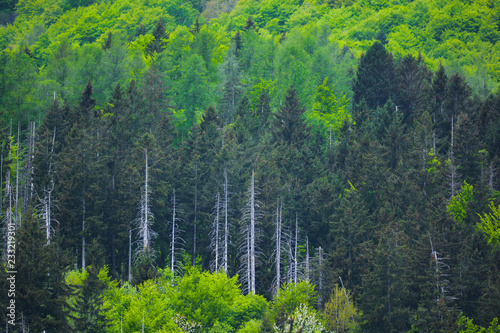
column 41, row 292
column 412, row 87
column 89, row 316
column 289, row 125
column 375, row 79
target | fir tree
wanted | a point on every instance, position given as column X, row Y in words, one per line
column 375, row 79
column 41, row 291
column 89, row 316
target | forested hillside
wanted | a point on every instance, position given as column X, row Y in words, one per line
column 250, row 166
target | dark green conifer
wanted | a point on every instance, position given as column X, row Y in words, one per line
column 375, row 79
column 289, row 126
column 41, row 292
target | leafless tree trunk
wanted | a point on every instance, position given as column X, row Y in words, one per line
column 320, row 277
column 18, row 221
column 83, row 225
column 195, row 213
column 249, row 218
column 145, row 229
column 491, row 175
column 216, row 233
column 226, row 222
column 307, row 259
column 175, row 239
column 130, row 254
column 278, row 244
column 146, row 218
column 28, row 169
column 252, row 232
column 172, row 244
column 295, row 261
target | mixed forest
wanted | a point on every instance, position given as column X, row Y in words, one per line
column 250, row 166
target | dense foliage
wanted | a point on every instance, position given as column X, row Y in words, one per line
column 161, row 159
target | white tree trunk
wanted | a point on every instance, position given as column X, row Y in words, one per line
column 226, row 222
column 172, row 244
column 46, row 212
column 195, row 213
column 216, row 233
column 307, row 259
column 145, row 216
column 278, row 245
column 252, row 233
column 145, row 230
column 83, row 230
column 295, row 261
column 248, row 247
column 320, row 277
column 130, row 254
column 491, row 176
column 18, row 222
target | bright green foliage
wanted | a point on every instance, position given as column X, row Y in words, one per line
column 467, row 326
column 76, row 278
column 458, row 205
column 215, row 94
column 340, row 313
column 457, row 34
column 490, row 225
column 251, row 326
column 88, row 313
column 126, row 306
column 292, row 295
column 433, row 163
column 303, row 320
column 328, row 110
column 214, row 300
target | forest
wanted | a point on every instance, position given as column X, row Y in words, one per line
column 250, row 166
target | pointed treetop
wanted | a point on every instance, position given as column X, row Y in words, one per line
column 238, row 43
column 289, row 125
column 159, row 30
column 107, row 43
column 375, row 79
column 250, row 24
column 86, row 101
column 141, row 30
column 209, row 118
column 439, row 81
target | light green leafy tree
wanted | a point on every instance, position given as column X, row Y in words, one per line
column 292, row 295
column 458, row 205
column 303, row 320
column 215, row 301
column 128, row 308
column 329, row 112
column 340, row 313
column 251, row 326
column 490, row 225
column 467, row 326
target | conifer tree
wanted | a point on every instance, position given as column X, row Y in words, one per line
column 413, row 79
column 231, row 86
column 159, row 34
column 375, row 79
column 79, row 163
column 89, row 316
column 289, row 127
column 41, row 290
